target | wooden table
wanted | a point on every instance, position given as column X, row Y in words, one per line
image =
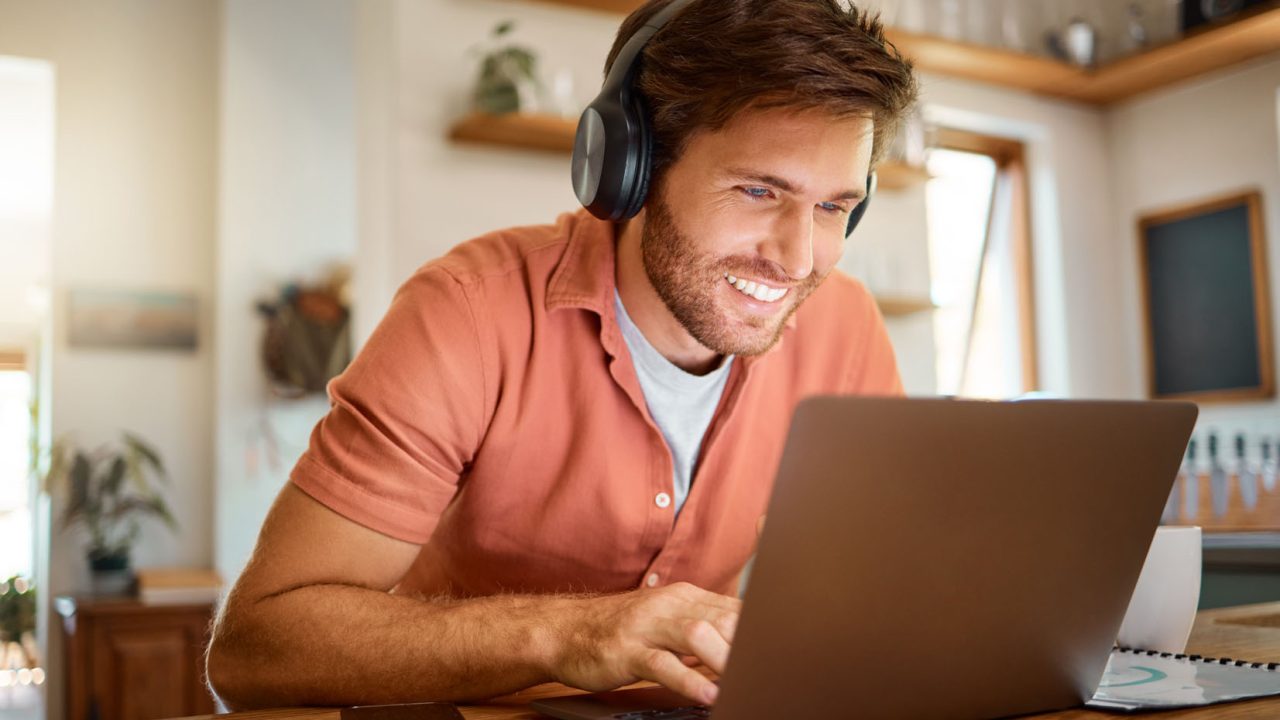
column 1248, row 632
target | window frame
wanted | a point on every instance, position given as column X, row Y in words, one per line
column 1011, row 167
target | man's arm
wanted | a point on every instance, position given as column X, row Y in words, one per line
column 311, row 621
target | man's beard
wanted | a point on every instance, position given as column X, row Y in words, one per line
column 688, row 283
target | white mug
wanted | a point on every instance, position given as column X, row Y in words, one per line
column 1163, row 607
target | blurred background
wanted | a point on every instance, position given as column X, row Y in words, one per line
column 206, row 206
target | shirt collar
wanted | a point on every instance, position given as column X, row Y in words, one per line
column 585, row 276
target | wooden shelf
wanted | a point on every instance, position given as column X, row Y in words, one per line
column 518, row 130
column 899, row 176
column 621, row 7
column 1212, row 49
column 12, row 360
column 554, row 134
column 1253, row 35
column 899, row 306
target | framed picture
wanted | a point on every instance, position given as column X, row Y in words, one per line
column 1206, row 304
column 130, row 319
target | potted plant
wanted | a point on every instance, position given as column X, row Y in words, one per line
column 109, row 489
column 508, row 78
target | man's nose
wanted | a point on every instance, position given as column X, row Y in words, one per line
column 791, row 244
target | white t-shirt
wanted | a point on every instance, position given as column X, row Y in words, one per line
column 682, row 404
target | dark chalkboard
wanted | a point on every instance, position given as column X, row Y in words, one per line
column 1207, row 304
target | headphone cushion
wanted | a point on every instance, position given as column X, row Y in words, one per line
column 642, row 145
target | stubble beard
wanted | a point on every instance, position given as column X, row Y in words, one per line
column 688, row 282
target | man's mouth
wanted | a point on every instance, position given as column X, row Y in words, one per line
column 756, row 290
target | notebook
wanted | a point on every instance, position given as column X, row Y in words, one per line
column 1143, row 680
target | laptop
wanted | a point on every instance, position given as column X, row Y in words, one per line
column 928, row 558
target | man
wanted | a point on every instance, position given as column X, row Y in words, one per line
column 550, row 460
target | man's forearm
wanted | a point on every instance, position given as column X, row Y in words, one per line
column 343, row 645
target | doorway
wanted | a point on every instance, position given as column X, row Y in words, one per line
column 26, row 206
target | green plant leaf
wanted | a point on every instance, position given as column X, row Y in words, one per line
column 524, row 60
column 154, row 505
column 79, row 502
column 503, row 28
column 114, row 479
column 138, row 445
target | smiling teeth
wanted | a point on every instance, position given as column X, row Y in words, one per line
column 759, row 291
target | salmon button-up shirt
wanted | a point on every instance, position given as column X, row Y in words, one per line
column 495, row 418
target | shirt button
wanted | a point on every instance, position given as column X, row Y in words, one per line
column 652, row 580
column 663, row 500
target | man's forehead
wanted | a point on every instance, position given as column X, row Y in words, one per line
column 770, row 122
column 793, row 151
column 759, row 138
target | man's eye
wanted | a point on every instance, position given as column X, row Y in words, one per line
column 757, row 192
column 831, row 207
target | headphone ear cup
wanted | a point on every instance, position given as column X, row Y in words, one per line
column 855, row 217
column 641, row 146
column 611, row 159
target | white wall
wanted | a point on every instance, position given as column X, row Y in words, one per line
column 377, row 151
column 287, row 211
column 890, row 253
column 1203, row 139
column 448, row 193
column 134, row 208
column 26, row 193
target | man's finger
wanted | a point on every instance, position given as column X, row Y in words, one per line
column 723, row 602
column 723, row 620
column 699, row 638
column 665, row 669
column 719, row 610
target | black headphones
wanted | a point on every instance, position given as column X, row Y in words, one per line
column 613, row 149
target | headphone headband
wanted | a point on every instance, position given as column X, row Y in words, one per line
column 627, row 62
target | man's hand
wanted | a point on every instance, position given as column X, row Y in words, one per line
column 612, row 641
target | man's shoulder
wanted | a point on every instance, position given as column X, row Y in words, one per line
column 516, row 250
column 841, row 300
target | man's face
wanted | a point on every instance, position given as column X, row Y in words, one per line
column 751, row 219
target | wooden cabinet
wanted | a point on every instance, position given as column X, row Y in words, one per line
column 129, row 661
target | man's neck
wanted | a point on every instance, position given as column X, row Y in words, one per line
column 649, row 313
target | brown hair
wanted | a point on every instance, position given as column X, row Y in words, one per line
column 717, row 58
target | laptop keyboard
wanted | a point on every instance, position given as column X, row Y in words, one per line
column 693, row 712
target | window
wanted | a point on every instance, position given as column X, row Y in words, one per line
column 15, row 478
column 980, row 266
column 26, row 202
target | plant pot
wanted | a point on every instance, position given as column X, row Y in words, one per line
column 110, row 574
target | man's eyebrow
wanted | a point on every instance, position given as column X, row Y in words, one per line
column 763, row 178
column 786, row 185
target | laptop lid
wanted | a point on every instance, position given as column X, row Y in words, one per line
column 946, row 558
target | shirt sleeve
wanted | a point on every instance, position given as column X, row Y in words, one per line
column 875, row 369
column 406, row 417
